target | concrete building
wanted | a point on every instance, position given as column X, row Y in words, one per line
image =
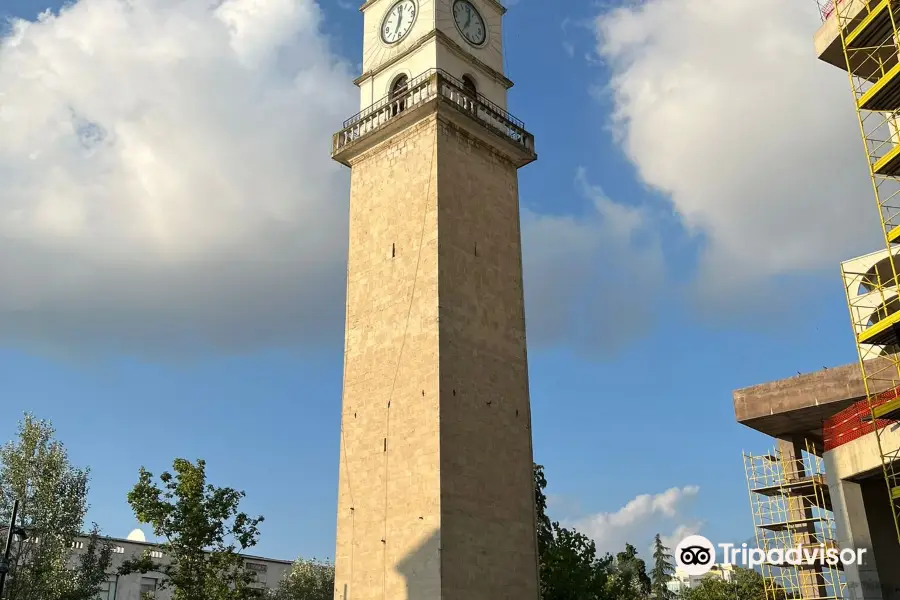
column 824, row 418
column 269, row 572
column 810, row 407
column 436, row 494
column 833, row 480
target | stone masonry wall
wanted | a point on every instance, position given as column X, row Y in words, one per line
column 389, row 475
column 487, row 496
column 436, row 499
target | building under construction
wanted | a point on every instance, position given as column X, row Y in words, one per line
column 833, row 478
column 822, row 485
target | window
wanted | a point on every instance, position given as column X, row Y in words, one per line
column 398, row 94
column 399, row 86
column 77, row 545
column 155, row 554
column 470, row 93
column 107, row 591
column 469, row 86
column 118, row 550
column 148, row 586
column 259, row 572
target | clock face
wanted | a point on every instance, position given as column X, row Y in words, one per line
column 469, row 22
column 398, row 21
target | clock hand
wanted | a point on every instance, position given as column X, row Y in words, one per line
column 469, row 22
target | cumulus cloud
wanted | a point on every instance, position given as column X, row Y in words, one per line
column 640, row 519
column 731, row 117
column 585, row 274
column 167, row 185
column 680, row 532
column 165, row 174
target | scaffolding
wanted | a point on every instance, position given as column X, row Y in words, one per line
column 868, row 32
column 792, row 509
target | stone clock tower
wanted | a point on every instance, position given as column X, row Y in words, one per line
column 436, row 496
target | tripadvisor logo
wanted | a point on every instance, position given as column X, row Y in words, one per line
column 696, row 555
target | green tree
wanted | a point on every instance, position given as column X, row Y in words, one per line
column 91, row 569
column 751, row 585
column 713, row 587
column 745, row 585
column 307, row 580
column 569, row 566
column 203, row 531
column 35, row 469
column 632, row 573
column 663, row 568
column 544, row 526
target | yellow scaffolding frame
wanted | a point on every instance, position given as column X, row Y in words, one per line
column 868, row 30
column 791, row 508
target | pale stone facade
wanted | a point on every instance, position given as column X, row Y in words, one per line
column 392, row 212
column 436, row 453
column 436, row 497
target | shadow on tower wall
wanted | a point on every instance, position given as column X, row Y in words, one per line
column 420, row 569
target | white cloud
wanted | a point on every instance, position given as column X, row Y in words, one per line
column 755, row 142
column 166, row 177
column 680, row 532
column 166, row 186
column 640, row 519
column 586, row 276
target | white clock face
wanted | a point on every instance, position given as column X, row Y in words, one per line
column 398, row 21
column 470, row 22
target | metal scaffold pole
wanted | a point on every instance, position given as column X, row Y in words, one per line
column 10, row 532
column 868, row 33
column 792, row 509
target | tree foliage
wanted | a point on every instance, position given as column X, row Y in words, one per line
column 746, row 585
column 663, row 568
column 91, row 570
column 571, row 569
column 203, row 531
column 569, row 565
column 632, row 573
column 35, row 469
column 307, row 580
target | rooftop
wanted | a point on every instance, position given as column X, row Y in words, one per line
column 125, row 542
column 799, row 405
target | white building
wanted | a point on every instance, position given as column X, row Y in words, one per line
column 269, row 572
column 682, row 581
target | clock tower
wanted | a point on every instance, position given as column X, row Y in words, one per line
column 436, row 492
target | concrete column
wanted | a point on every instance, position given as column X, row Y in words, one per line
column 852, row 524
column 812, row 584
column 883, row 534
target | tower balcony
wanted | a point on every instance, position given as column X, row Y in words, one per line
column 430, row 92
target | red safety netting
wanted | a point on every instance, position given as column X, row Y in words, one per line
column 827, row 8
column 856, row 421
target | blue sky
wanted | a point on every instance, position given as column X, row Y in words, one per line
column 682, row 231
